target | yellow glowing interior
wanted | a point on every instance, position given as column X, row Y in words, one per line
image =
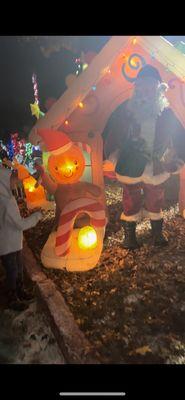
column 31, row 189
column 87, row 238
column 67, row 169
column 29, row 184
column 33, row 193
column 133, row 63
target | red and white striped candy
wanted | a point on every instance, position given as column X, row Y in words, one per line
column 35, row 88
column 67, row 218
column 83, row 146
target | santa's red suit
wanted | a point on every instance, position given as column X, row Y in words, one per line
column 145, row 142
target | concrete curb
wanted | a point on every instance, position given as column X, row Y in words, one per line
column 75, row 348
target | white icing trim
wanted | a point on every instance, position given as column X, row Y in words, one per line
column 156, row 179
column 60, row 150
column 152, row 215
column 135, row 217
column 143, row 213
column 128, row 180
column 147, row 177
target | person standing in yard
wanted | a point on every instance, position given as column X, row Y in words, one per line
column 144, row 142
column 12, row 226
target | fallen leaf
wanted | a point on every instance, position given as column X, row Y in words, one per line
column 141, row 350
column 113, row 290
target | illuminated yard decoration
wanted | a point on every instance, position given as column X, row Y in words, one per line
column 35, row 194
column 76, row 243
column 82, row 113
column 67, row 219
column 76, row 249
column 87, row 238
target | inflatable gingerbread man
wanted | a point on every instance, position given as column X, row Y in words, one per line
column 76, row 240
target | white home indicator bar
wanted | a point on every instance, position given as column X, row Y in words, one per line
column 92, row 394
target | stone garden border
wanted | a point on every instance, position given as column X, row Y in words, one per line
column 75, row 348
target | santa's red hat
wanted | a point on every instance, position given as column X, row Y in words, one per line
column 56, row 142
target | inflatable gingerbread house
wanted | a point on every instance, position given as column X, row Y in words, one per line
column 70, row 132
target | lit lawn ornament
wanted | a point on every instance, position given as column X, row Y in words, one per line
column 77, row 238
column 35, row 194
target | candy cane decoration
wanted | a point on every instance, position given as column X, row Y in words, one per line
column 67, row 218
column 83, row 146
column 35, row 88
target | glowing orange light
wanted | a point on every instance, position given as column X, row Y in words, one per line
column 67, row 167
column 29, row 184
column 81, row 105
column 31, row 189
column 66, row 122
column 134, row 41
column 133, row 63
column 87, row 238
column 33, row 193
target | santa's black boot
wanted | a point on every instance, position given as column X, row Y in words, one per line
column 130, row 241
column 158, row 238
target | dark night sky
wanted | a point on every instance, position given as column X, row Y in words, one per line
column 19, row 61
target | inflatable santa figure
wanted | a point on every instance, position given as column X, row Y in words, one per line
column 145, row 144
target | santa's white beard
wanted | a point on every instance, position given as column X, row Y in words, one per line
column 145, row 111
column 144, row 108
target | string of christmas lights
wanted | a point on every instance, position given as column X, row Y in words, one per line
column 106, row 70
column 155, row 51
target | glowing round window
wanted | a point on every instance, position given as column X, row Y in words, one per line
column 87, row 238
